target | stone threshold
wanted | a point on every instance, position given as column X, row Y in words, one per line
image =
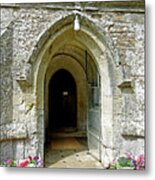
column 67, row 134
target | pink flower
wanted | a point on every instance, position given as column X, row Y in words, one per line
column 141, row 156
column 36, row 158
column 30, row 158
column 137, row 167
column 24, row 164
column 9, row 161
column 130, row 156
column 137, row 158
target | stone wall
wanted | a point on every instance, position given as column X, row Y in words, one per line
column 127, row 32
column 23, row 25
column 6, row 93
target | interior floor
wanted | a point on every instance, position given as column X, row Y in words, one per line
column 69, row 152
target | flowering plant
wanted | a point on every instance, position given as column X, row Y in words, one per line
column 8, row 163
column 138, row 162
column 32, row 162
column 129, row 161
column 29, row 162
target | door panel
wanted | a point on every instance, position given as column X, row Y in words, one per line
column 94, row 122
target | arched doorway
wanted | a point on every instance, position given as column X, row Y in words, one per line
column 70, row 82
column 62, row 102
column 88, row 47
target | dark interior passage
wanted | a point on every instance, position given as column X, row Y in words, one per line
column 62, row 102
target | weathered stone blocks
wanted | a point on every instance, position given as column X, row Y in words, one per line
column 13, row 131
column 25, row 32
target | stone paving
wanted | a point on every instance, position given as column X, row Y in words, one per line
column 69, row 153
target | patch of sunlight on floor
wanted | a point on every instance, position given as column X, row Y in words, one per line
column 69, row 153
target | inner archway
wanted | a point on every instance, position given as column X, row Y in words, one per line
column 62, row 102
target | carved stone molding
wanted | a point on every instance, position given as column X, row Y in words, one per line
column 24, row 75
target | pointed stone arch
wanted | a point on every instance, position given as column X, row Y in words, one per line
column 98, row 45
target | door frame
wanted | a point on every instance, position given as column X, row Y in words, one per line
column 107, row 60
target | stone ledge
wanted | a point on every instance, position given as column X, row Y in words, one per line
column 24, row 75
column 12, row 131
column 122, row 5
column 132, row 129
column 126, row 86
column 126, row 83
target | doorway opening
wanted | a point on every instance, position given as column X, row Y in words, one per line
column 87, row 57
column 62, row 102
column 64, row 141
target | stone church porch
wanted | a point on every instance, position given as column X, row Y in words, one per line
column 49, row 68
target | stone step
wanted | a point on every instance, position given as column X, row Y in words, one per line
column 67, row 134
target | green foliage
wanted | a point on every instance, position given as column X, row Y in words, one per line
column 123, row 162
column 129, row 161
